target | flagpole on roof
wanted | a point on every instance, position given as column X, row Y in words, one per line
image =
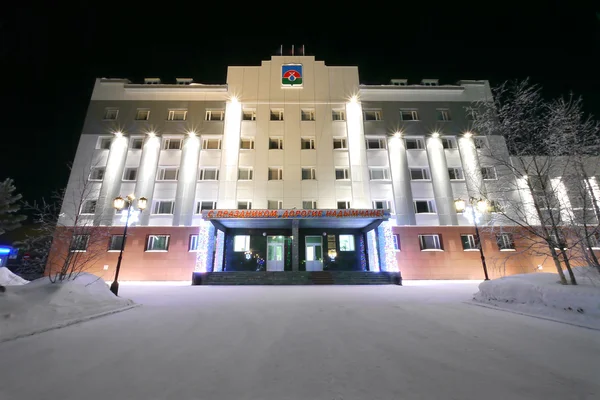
column 281, row 50
column 303, row 50
column 292, row 49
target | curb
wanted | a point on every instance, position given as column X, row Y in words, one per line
column 484, row 305
column 69, row 322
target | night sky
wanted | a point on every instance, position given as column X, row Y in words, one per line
column 54, row 53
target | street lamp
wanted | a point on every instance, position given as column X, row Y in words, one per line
column 477, row 207
column 118, row 204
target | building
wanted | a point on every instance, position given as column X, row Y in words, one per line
column 292, row 165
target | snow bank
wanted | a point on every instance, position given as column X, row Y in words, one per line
column 542, row 294
column 41, row 305
column 7, row 278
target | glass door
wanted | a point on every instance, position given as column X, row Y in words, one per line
column 275, row 260
column 314, row 253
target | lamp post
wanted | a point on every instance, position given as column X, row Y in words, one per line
column 118, row 204
column 477, row 208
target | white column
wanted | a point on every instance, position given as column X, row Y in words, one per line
column 357, row 152
column 186, row 185
column 228, row 173
column 146, row 177
column 442, row 189
column 401, row 187
column 471, row 168
column 111, row 183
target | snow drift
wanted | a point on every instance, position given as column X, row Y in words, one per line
column 7, row 278
column 41, row 305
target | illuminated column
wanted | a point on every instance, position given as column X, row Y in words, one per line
column 528, row 211
column 144, row 185
column 220, row 248
column 562, row 196
column 229, row 155
column 295, row 245
column 385, row 248
column 403, row 200
column 372, row 252
column 471, row 168
column 186, row 185
column 111, row 183
column 442, row 189
column 206, row 243
column 357, row 152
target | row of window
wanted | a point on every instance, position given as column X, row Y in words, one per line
column 277, row 114
column 433, row 242
column 306, row 143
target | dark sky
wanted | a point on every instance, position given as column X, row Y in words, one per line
column 53, row 53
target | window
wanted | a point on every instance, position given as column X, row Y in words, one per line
column 208, row 174
column 245, row 174
column 193, row 244
column 214, row 115
column 205, row 205
column 130, row 174
column 343, row 205
column 309, row 204
column 307, row 115
column 346, row 242
column 89, row 207
column 104, row 143
column 115, row 242
column 274, row 204
column 340, row 144
column 376, row 143
column 275, row 174
column 241, row 243
column 409, row 115
column 496, row 206
column 396, row 241
column 275, row 143
column 249, row 114
column 414, row 144
column 136, row 143
column 342, row 174
column 177, row 115
column 419, row 174
column 309, row 173
column 172, row 144
column 489, row 173
column 142, row 114
column 246, row 144
column 244, row 205
column 167, row 174
column 381, row 205
column 480, row 142
column 468, row 242
column 373, row 115
column 79, row 242
column 424, row 206
column 111, row 114
column 442, row 115
column 338, row 115
column 505, row 242
column 211, row 144
column 449, row 142
column 379, row 174
column 430, row 242
column 307, row 143
column 97, row 173
column 163, row 207
column 158, row 243
column 276, row 114
column 455, row 174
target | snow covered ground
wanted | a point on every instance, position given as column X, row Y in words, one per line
column 316, row 342
column 540, row 294
column 41, row 305
column 7, row 278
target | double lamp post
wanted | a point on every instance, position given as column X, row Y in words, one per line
column 476, row 208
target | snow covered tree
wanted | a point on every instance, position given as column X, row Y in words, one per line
column 9, row 207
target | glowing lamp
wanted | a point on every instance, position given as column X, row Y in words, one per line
column 118, row 134
column 460, row 205
column 468, row 134
column 142, row 203
column 234, row 99
column 152, row 134
column 397, row 134
column 482, row 206
column 119, row 203
column 354, row 99
column 435, row 135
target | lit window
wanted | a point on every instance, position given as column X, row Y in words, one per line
column 442, row 115
column 104, row 143
column 396, row 241
column 505, row 241
column 79, row 242
column 136, row 143
column 424, row 206
column 274, row 204
column 172, row 144
column 241, row 243
column 419, row 174
column 208, row 174
column 346, row 242
column 214, row 115
column 307, row 115
column 245, row 174
column 338, row 115
column 244, row 205
column 381, row 205
column 211, row 144
column 379, row 174
column 177, row 115
column 449, row 142
column 249, row 115
column 468, row 242
column 193, row 244
column 372, row 115
column 157, row 243
column 205, row 205
column 307, row 143
column 309, row 204
column 142, row 114
column 246, row 144
column 277, row 114
column 97, row 173
column 343, row 205
column 309, row 173
column 167, row 174
column 130, row 174
column 340, row 144
column 115, row 243
column 111, row 114
column 480, row 142
column 414, row 143
column 163, row 207
column 489, row 173
column 409, row 115
column 455, row 174
column 430, row 242
column 275, row 143
column 275, row 174
column 376, row 143
column 89, row 207
column 342, row 174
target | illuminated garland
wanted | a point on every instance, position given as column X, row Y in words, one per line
column 372, row 249
column 363, row 256
column 206, row 234
column 218, row 266
column 387, row 247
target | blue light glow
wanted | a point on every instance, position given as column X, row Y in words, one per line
column 5, row 250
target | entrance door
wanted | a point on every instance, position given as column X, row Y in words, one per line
column 274, row 253
column 314, row 253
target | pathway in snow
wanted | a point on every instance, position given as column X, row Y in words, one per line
column 319, row 342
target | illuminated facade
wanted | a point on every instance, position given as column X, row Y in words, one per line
column 289, row 166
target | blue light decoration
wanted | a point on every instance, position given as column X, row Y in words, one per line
column 206, row 234
column 387, row 248
column 372, row 251
column 5, row 250
column 362, row 252
column 218, row 265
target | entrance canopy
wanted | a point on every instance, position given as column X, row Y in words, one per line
column 282, row 219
